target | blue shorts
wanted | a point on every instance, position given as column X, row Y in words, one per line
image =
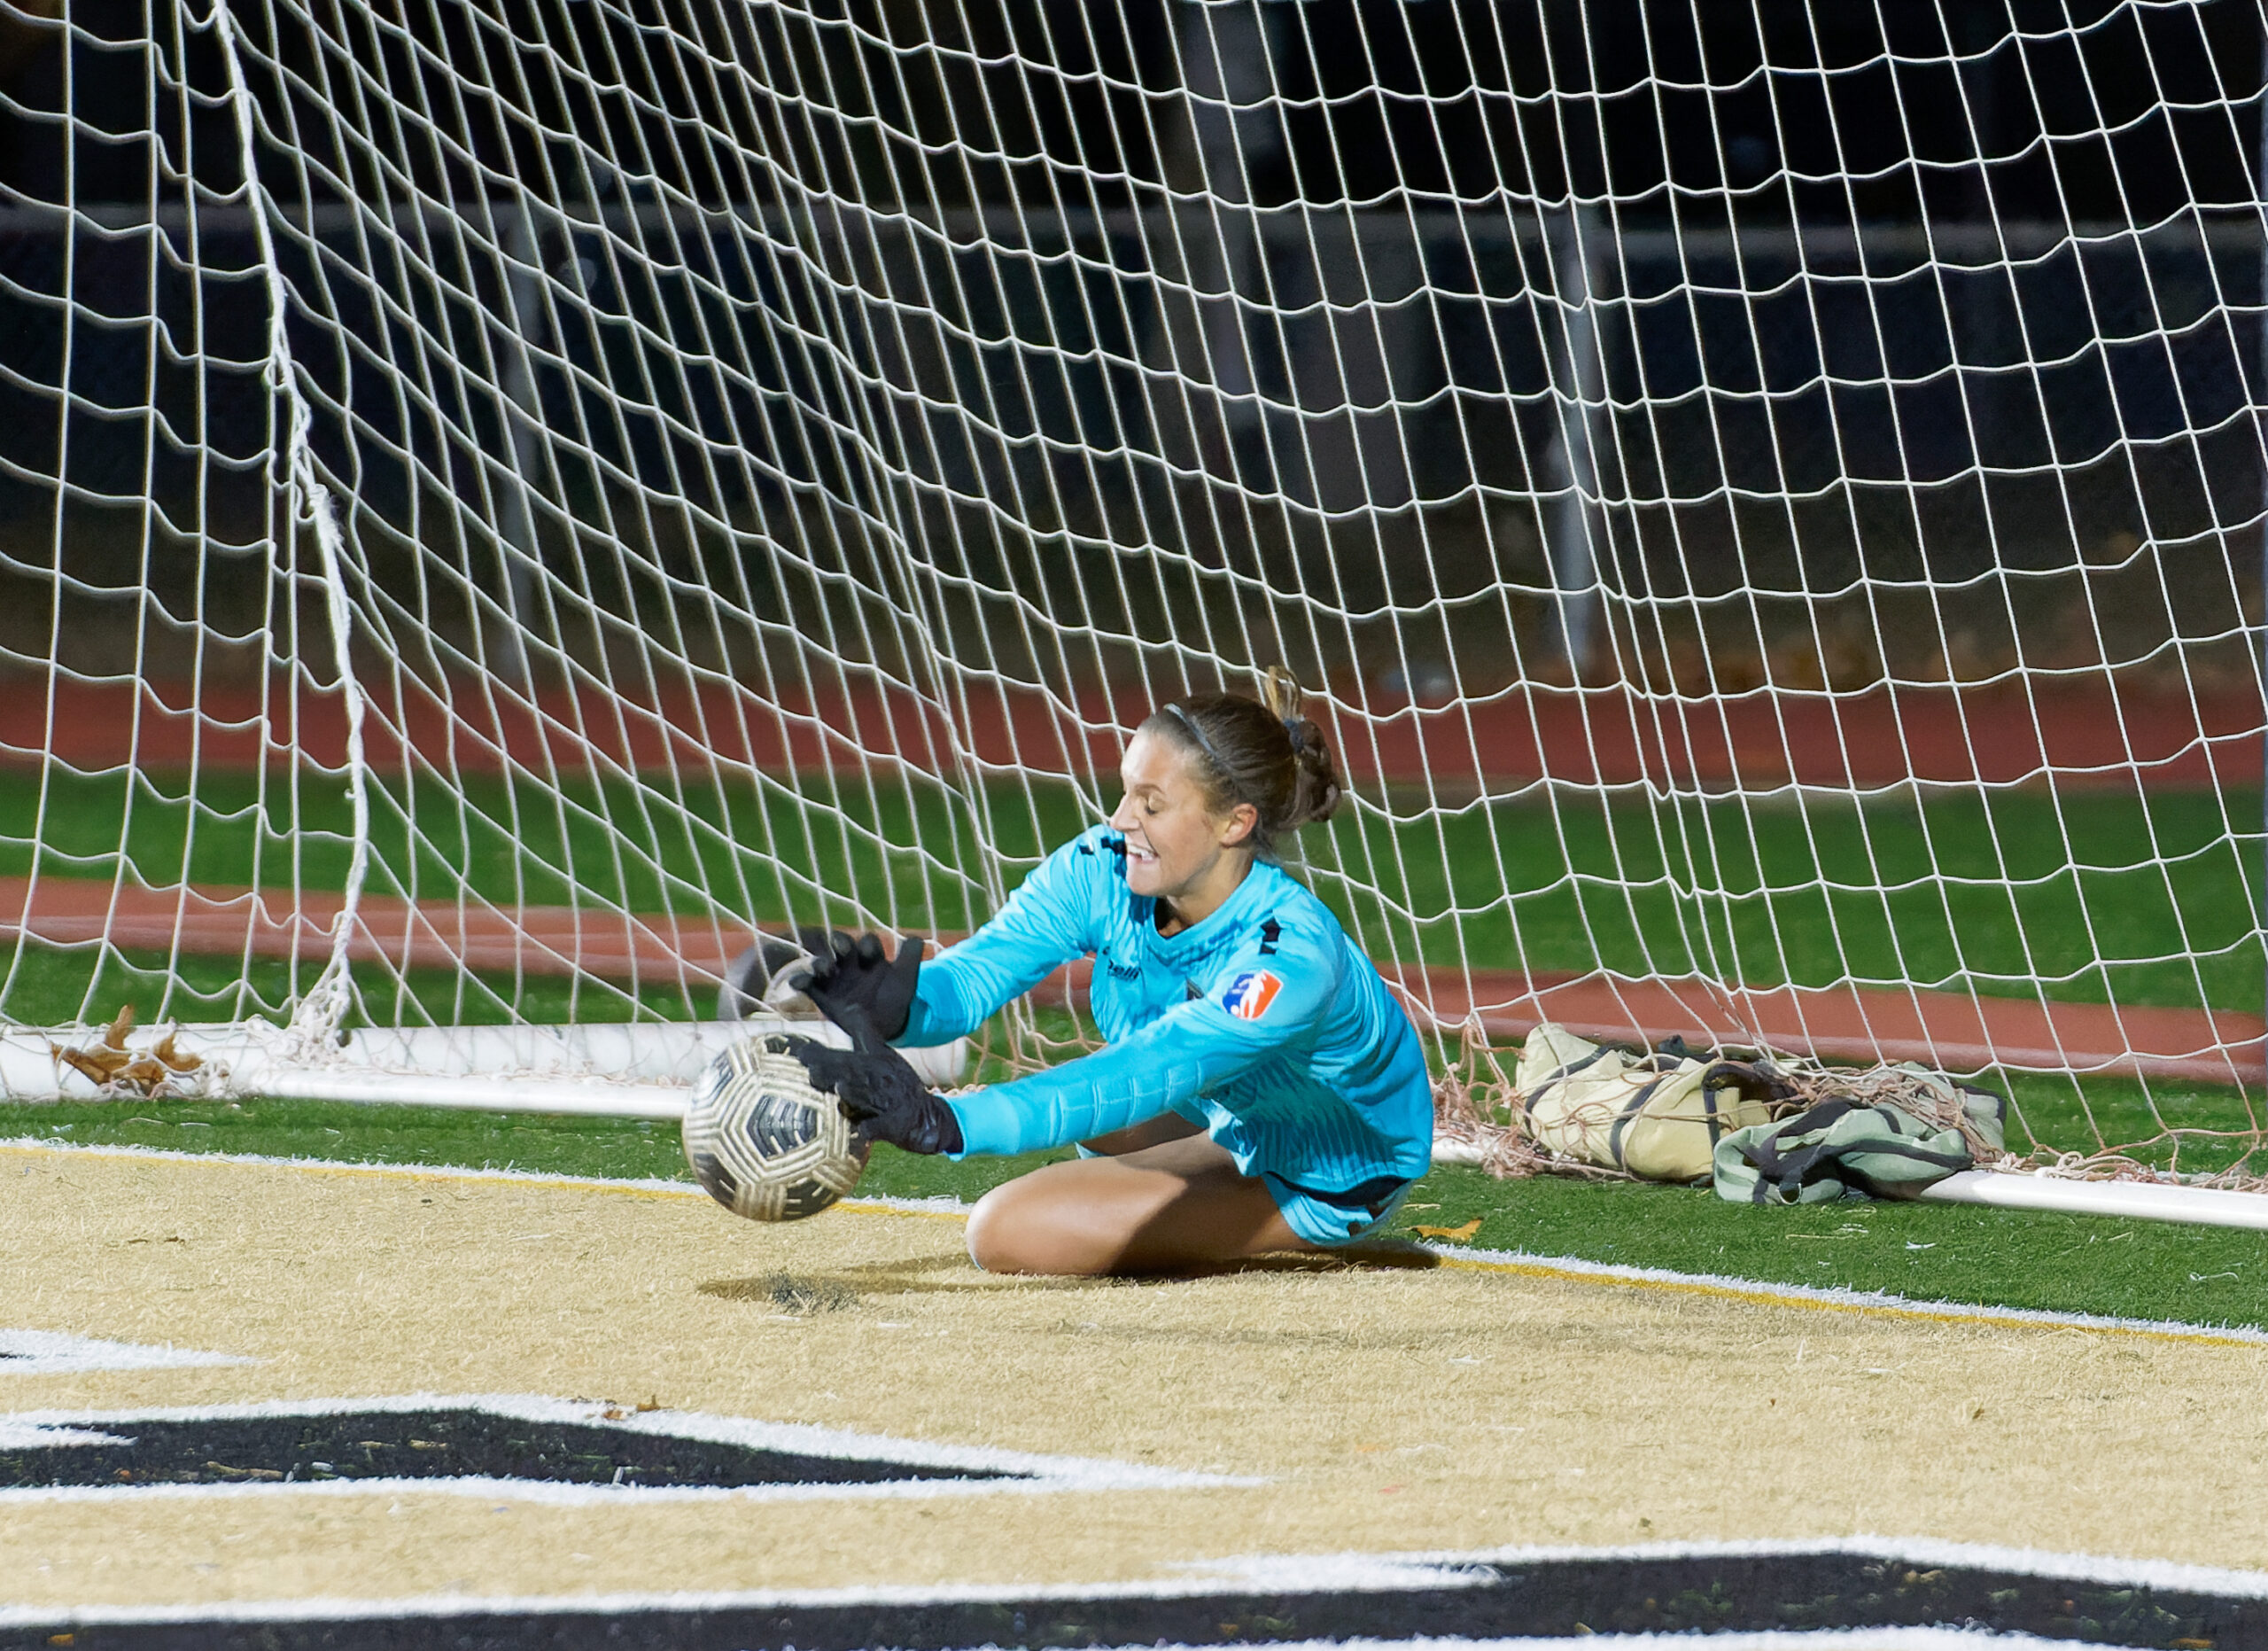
column 1332, row 1218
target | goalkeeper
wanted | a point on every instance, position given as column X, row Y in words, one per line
column 1258, row 1089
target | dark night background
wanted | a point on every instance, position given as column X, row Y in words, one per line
column 1914, row 339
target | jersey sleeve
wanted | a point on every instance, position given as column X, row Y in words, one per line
column 1047, row 922
column 1267, row 1003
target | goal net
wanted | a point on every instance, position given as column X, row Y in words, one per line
column 502, row 499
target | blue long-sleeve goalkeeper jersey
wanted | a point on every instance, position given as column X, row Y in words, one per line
column 1262, row 1023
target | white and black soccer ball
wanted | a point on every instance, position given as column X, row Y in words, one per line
column 763, row 1142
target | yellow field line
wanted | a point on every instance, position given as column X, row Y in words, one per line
column 1754, row 1295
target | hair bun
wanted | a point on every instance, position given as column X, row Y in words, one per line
column 1317, row 790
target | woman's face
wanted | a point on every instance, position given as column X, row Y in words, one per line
column 1175, row 843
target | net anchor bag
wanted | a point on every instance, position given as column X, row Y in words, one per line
column 1845, row 1145
column 1657, row 1116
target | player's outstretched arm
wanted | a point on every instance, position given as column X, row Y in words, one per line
column 878, row 1092
column 1193, row 1048
column 1046, row 923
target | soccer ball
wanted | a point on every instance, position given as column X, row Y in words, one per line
column 763, row 1142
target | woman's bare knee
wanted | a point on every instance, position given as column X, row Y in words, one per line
column 992, row 1232
column 1178, row 1204
column 1010, row 1231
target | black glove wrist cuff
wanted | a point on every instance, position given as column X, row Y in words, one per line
column 942, row 1128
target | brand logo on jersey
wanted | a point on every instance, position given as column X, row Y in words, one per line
column 1251, row 992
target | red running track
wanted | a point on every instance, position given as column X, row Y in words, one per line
column 2077, row 730
column 1951, row 1031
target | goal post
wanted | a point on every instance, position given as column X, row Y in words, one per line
column 499, row 504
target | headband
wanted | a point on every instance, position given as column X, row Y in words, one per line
column 1196, row 734
column 1290, row 733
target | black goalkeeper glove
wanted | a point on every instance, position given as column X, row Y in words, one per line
column 847, row 975
column 878, row 1092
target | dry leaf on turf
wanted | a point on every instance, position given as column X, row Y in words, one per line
column 165, row 1051
column 146, row 1072
column 97, row 1065
column 1460, row 1233
column 109, row 1062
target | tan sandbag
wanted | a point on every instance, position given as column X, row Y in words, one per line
column 1549, row 1050
column 1657, row 1116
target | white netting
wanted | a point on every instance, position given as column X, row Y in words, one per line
column 500, row 497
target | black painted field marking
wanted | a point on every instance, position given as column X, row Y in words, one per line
column 449, row 1443
column 1678, row 1594
column 552, row 1450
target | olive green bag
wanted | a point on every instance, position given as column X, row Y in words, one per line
column 1658, row 1117
column 1876, row 1148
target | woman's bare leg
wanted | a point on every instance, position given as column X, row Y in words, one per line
column 1160, row 1209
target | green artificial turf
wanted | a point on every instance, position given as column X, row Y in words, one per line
column 1941, row 892
column 1924, row 1252
column 56, row 988
column 2095, row 896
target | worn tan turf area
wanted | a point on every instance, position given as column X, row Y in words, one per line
column 1385, row 1409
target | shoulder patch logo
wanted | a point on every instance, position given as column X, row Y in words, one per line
column 1251, row 992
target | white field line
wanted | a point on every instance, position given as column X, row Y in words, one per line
column 50, row 1352
column 1338, row 1573
column 1770, row 1639
column 1845, row 1300
column 545, row 1493
column 1513, row 1261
